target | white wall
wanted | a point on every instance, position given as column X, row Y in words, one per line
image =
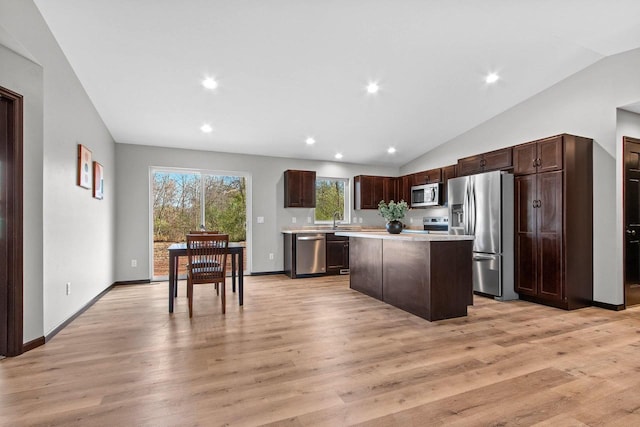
column 73, row 231
column 132, row 187
column 583, row 104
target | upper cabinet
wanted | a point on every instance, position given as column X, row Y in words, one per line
column 369, row 190
column 427, row 177
column 299, row 189
column 538, row 156
column 494, row 160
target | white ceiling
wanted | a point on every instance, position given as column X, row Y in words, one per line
column 289, row 69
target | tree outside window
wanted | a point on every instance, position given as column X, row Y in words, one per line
column 331, row 197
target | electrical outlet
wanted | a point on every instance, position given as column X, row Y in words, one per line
column 68, row 288
column 271, row 256
column 410, row 220
column 309, row 219
column 360, row 220
column 260, row 220
column 134, row 263
column 293, row 220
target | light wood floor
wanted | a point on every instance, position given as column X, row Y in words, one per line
column 312, row 352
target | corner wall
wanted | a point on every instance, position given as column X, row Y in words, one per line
column 584, row 104
column 69, row 236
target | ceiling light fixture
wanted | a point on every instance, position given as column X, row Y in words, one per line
column 338, row 156
column 391, row 150
column 206, row 128
column 373, row 87
column 492, row 78
column 310, row 141
column 210, row 83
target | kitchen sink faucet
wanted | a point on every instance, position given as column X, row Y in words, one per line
column 336, row 215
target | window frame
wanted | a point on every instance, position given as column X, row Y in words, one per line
column 347, row 201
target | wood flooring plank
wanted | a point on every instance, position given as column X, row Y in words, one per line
column 312, row 352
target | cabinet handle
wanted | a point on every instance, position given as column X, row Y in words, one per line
column 537, row 203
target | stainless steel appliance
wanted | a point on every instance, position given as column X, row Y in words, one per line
column 311, row 253
column 436, row 224
column 482, row 206
column 426, row 195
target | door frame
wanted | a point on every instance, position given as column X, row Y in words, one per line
column 15, row 218
column 625, row 141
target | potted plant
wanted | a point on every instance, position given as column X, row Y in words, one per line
column 393, row 212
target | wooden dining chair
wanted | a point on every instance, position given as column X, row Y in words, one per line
column 207, row 254
column 175, row 294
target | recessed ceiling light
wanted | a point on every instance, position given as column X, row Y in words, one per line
column 373, row 87
column 338, row 156
column 310, row 141
column 492, row 78
column 391, row 150
column 210, row 83
column 206, row 128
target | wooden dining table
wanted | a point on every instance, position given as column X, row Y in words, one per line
column 235, row 249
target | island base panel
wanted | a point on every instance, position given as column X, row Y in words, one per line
column 365, row 265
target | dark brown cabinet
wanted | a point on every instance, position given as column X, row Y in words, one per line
column 539, row 156
column 369, row 190
column 404, row 188
column 337, row 254
column 427, row 177
column 494, row 160
column 299, row 189
column 554, row 222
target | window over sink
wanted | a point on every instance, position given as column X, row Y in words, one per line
column 332, row 198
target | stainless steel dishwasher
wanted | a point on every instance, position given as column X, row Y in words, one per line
column 311, row 253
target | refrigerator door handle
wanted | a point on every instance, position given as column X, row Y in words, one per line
column 474, row 209
column 465, row 207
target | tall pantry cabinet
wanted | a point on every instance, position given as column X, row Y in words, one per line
column 554, row 221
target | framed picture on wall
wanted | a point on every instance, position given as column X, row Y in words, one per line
column 84, row 167
column 98, row 181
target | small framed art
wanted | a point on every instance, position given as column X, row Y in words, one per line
column 84, row 166
column 98, row 181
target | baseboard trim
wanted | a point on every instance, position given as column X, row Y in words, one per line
column 266, row 273
column 64, row 324
column 132, row 282
column 33, row 344
column 607, row 306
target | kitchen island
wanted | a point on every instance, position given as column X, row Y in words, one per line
column 428, row 275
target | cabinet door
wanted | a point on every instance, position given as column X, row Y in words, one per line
column 308, row 189
column 524, row 158
column 470, row 165
column 434, row 175
column 550, row 154
column 448, row 172
column 378, row 191
column 497, row 160
column 549, row 216
column 526, row 249
column 337, row 253
column 389, row 189
column 404, row 188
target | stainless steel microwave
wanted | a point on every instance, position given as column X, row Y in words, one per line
column 426, row 195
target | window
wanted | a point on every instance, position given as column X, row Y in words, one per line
column 184, row 200
column 331, row 197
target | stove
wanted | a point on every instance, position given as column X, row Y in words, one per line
column 436, row 224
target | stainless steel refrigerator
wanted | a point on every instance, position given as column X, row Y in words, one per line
column 482, row 206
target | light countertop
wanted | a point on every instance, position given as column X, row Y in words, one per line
column 411, row 237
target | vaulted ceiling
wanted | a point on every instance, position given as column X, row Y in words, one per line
column 288, row 70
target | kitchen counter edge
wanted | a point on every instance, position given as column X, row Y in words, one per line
column 406, row 237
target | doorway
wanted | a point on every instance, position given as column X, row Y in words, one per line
column 631, row 201
column 10, row 223
column 186, row 200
